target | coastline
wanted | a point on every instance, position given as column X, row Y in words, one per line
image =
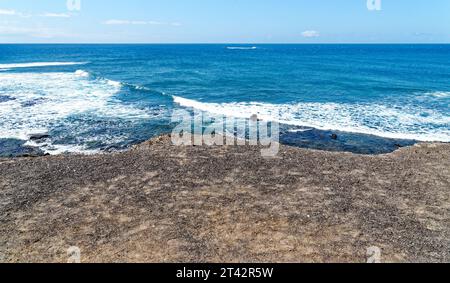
column 160, row 203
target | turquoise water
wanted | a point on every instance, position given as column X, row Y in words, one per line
column 90, row 98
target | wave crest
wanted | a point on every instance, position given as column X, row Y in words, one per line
column 440, row 94
column 242, row 47
column 42, row 101
column 372, row 119
column 39, row 64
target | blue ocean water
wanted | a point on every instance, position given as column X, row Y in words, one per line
column 88, row 98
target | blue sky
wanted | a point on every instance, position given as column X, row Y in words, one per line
column 224, row 21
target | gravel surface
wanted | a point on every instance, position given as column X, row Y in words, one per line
column 163, row 203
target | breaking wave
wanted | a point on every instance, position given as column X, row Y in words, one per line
column 39, row 64
column 242, row 47
column 440, row 94
column 40, row 102
column 408, row 122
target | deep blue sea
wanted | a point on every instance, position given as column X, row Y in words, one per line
column 90, row 98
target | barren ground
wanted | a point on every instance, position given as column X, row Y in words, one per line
column 161, row 203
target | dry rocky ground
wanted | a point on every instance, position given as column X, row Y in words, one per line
column 162, row 203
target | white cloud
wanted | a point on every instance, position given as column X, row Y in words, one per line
column 310, row 33
column 128, row 22
column 154, row 23
column 8, row 12
column 116, row 22
column 56, row 15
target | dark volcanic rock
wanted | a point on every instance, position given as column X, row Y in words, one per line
column 341, row 141
column 5, row 98
column 16, row 148
column 37, row 137
column 33, row 102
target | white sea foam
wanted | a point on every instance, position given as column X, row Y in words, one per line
column 299, row 130
column 374, row 119
column 44, row 100
column 242, row 47
column 82, row 73
column 39, row 64
column 138, row 87
column 60, row 149
column 114, row 83
column 440, row 94
column 55, row 149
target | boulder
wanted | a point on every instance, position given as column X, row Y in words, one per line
column 37, row 137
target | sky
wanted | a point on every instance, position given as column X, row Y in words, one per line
column 225, row 21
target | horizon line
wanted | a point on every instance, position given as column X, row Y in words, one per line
column 225, row 43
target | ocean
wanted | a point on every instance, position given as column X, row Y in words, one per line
column 96, row 98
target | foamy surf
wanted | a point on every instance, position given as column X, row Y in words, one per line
column 55, row 149
column 242, row 47
column 82, row 73
column 39, row 64
column 39, row 102
column 405, row 122
column 299, row 130
column 440, row 94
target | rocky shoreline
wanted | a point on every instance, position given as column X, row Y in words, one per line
column 163, row 203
